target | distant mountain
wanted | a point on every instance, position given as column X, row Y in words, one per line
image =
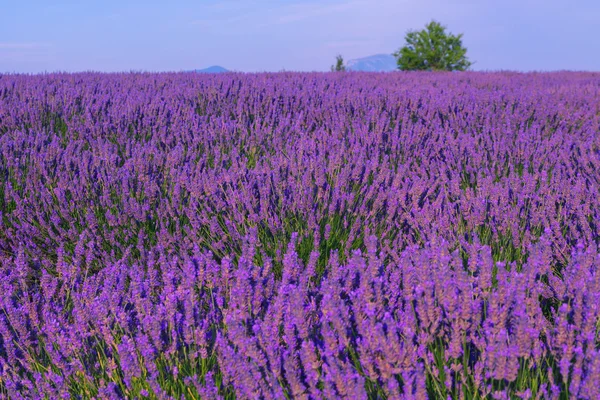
column 376, row 63
column 215, row 69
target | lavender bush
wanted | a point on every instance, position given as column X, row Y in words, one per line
column 306, row 236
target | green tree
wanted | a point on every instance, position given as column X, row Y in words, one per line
column 339, row 64
column 432, row 49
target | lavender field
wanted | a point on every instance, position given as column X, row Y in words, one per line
column 300, row 236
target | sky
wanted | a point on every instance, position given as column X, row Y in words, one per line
column 293, row 35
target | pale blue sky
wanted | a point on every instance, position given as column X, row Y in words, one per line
column 301, row 35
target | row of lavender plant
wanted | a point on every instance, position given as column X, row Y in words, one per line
column 300, row 235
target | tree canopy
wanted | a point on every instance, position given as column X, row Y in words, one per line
column 339, row 64
column 432, row 49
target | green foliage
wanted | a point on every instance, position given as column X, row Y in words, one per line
column 339, row 64
column 432, row 49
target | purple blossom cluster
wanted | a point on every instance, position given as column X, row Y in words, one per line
column 305, row 236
